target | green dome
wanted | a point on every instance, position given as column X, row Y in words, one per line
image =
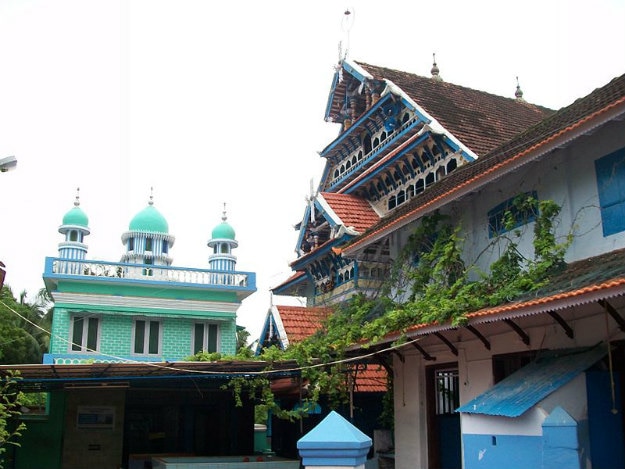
column 223, row 231
column 149, row 219
column 76, row 217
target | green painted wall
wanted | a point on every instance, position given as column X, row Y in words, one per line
column 116, row 334
column 42, row 441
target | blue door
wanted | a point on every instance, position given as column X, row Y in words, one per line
column 605, row 420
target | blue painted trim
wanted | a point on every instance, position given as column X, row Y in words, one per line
column 375, row 154
column 317, row 254
column 354, row 72
column 355, row 128
column 49, row 274
column 420, row 115
column 335, row 81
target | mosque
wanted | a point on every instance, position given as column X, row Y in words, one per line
column 142, row 308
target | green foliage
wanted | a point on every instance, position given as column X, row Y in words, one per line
column 11, row 401
column 22, row 328
column 429, row 283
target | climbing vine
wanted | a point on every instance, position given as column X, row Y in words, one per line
column 429, row 282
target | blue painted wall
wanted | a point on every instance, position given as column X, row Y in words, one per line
column 502, row 451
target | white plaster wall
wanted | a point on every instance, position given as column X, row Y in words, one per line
column 410, row 415
column 566, row 176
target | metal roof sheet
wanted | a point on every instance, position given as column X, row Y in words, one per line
column 531, row 384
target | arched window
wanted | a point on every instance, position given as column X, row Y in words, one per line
column 453, row 164
column 429, row 179
column 366, row 143
column 401, row 197
column 419, row 186
column 392, row 203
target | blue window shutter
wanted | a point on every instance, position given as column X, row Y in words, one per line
column 610, row 171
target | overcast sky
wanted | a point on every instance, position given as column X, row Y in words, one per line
column 212, row 102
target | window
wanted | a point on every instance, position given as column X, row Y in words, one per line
column 85, row 333
column 73, row 235
column 447, row 391
column 147, row 339
column 165, row 247
column 512, row 209
column 611, row 187
column 131, row 244
column 506, row 364
column 205, row 336
column 148, row 244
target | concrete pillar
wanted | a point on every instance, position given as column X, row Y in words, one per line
column 334, row 442
column 560, row 441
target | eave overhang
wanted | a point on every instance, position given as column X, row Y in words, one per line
column 424, row 204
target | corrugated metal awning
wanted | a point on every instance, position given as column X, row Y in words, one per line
column 46, row 377
column 523, row 389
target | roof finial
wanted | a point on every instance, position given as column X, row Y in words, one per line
column 151, row 202
column 224, row 217
column 518, row 93
column 77, row 201
column 346, row 25
column 435, row 71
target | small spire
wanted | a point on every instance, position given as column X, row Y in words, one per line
column 435, row 71
column 151, row 201
column 346, row 25
column 518, row 93
column 77, row 201
column 224, row 217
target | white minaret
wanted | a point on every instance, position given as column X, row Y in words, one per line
column 75, row 227
column 222, row 243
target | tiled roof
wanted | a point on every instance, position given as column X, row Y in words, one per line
column 582, row 281
column 373, row 379
column 353, row 211
column 480, row 120
column 509, row 155
column 300, row 322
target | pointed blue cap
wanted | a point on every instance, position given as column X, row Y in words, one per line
column 334, row 442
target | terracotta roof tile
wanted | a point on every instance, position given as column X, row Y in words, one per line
column 478, row 172
column 373, row 379
column 353, row 211
column 300, row 322
column 579, row 279
column 480, row 120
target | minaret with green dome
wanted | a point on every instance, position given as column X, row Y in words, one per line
column 148, row 240
column 222, row 243
column 75, row 227
column 142, row 308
